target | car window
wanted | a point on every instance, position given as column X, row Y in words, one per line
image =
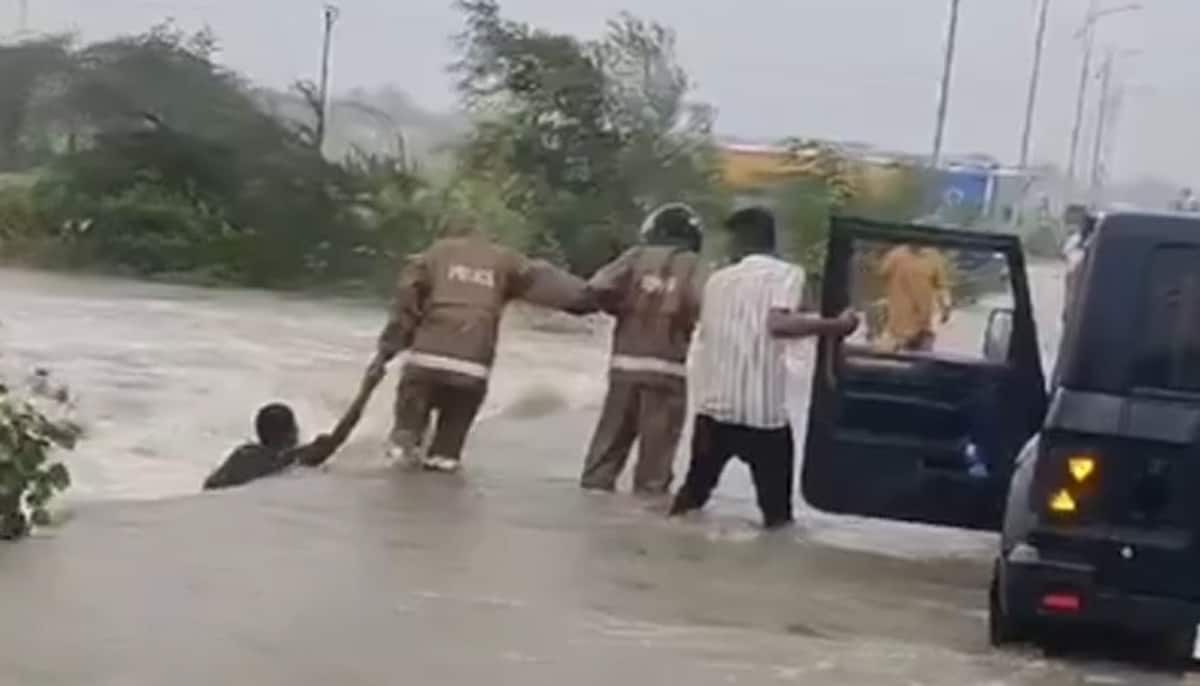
column 901, row 290
column 1168, row 349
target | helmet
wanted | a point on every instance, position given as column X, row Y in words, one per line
column 674, row 224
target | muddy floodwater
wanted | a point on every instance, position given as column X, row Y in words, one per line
column 507, row 574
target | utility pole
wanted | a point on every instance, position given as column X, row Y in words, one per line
column 22, row 17
column 939, row 135
column 1039, row 44
column 331, row 17
column 1088, row 33
column 1104, row 119
column 1101, row 120
column 1089, row 43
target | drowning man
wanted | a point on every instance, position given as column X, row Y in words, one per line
column 278, row 446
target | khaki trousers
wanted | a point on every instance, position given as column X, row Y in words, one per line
column 652, row 413
column 421, row 393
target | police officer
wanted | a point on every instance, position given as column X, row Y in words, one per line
column 446, row 313
column 652, row 291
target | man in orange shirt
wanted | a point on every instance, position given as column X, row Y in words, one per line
column 916, row 284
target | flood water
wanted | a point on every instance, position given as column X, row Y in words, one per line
column 507, row 574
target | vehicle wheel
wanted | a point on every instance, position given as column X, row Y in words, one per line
column 1002, row 629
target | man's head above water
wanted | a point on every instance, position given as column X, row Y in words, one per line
column 276, row 426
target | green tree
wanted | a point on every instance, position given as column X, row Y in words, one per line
column 31, row 73
column 180, row 170
column 588, row 136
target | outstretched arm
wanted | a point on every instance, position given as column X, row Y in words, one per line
column 540, row 283
column 793, row 324
column 325, row 445
column 611, row 282
column 412, row 288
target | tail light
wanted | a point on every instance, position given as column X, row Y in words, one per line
column 1072, row 482
column 1063, row 603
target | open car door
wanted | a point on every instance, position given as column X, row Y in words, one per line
column 912, row 418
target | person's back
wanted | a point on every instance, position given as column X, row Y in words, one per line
column 741, row 405
column 470, row 280
column 658, row 311
column 446, row 313
column 741, row 366
column 651, row 291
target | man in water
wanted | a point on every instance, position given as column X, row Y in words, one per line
column 741, row 402
column 446, row 313
column 651, row 290
column 915, row 285
column 278, row 436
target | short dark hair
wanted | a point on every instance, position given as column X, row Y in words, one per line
column 753, row 228
column 275, row 424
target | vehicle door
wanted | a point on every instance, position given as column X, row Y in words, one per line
column 922, row 425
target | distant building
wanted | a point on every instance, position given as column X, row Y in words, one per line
column 974, row 187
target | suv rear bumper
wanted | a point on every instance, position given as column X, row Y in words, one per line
column 1026, row 578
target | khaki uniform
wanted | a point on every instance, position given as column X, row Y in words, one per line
column 913, row 281
column 447, row 312
column 652, row 291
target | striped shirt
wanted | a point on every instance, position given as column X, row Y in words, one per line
column 740, row 375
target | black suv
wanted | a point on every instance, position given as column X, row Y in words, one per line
column 1090, row 485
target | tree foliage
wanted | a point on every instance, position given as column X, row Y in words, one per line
column 155, row 160
column 588, row 136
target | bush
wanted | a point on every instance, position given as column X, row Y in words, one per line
column 29, row 434
column 19, row 219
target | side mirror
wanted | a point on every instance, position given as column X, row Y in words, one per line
column 997, row 337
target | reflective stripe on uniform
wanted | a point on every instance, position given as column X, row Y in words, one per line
column 449, row 364
column 627, row 363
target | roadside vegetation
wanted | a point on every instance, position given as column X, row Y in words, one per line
column 143, row 155
column 35, row 424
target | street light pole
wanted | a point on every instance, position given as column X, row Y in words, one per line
column 944, row 89
column 1103, row 119
column 331, row 17
column 1088, row 32
column 1081, row 97
column 22, row 17
column 1039, row 44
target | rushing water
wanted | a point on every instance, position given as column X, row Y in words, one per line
column 167, row 378
column 380, row 578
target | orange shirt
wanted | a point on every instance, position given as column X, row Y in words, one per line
column 913, row 281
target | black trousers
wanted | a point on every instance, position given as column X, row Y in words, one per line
column 768, row 453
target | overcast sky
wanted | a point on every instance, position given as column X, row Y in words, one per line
column 863, row 70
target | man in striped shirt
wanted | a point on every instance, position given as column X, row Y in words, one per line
column 748, row 308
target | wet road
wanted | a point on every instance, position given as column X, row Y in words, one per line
column 506, row 574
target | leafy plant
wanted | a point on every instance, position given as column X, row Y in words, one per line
column 29, row 435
